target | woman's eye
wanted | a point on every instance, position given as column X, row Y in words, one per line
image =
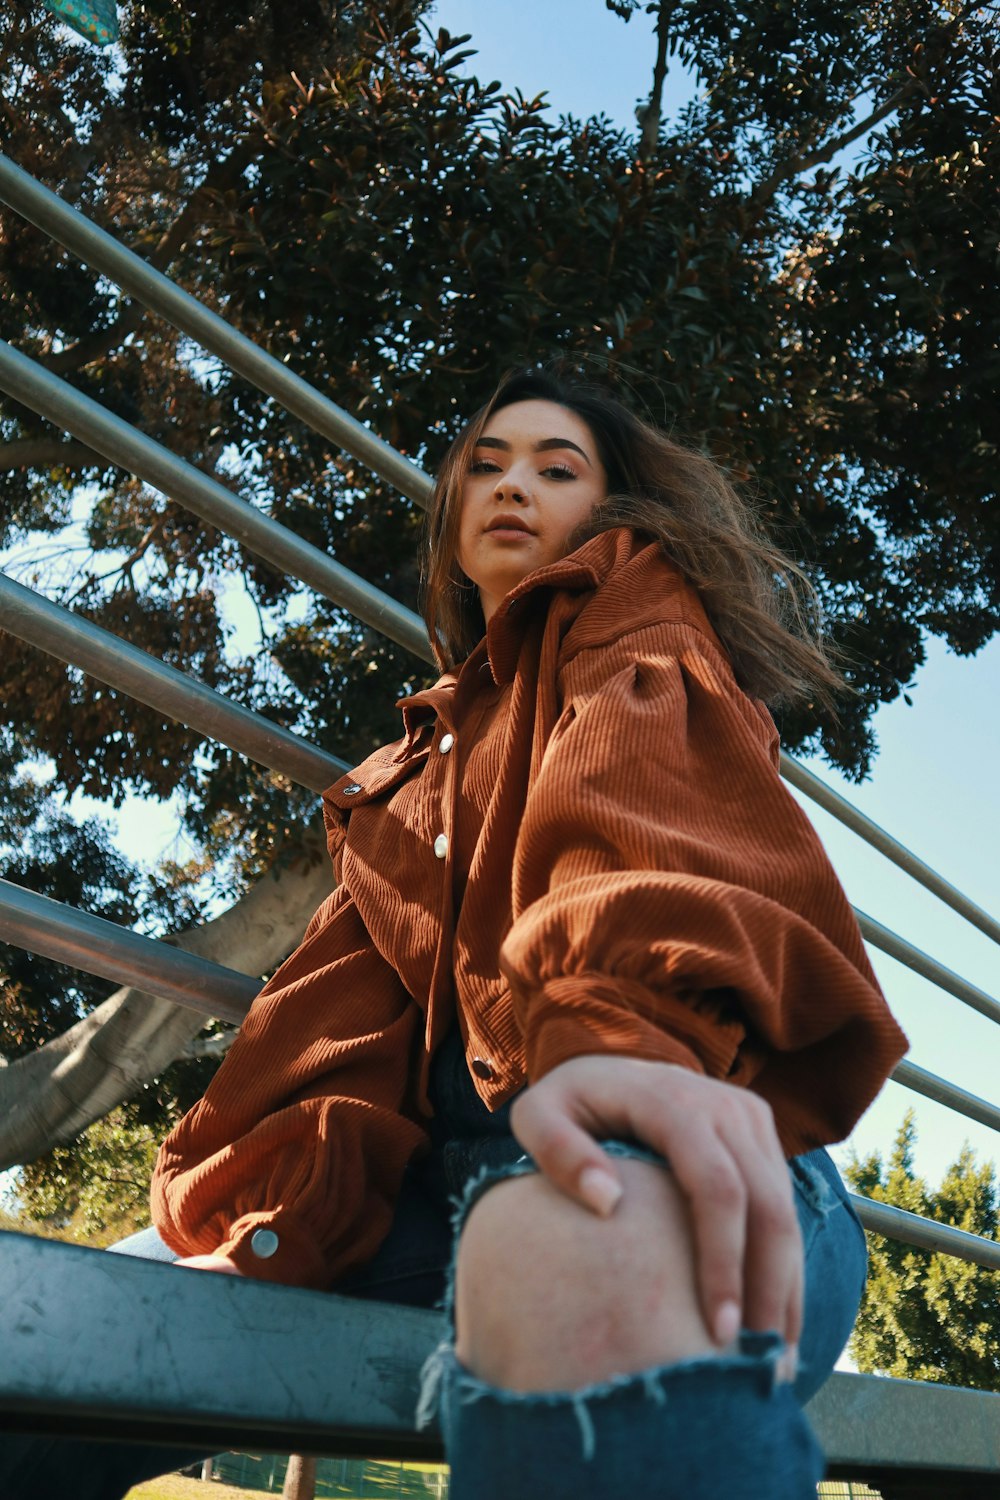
column 484, row 466
column 560, row 471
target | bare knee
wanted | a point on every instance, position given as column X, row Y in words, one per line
column 550, row 1297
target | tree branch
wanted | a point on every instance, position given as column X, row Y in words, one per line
column 649, row 118
column 765, row 191
column 48, row 453
column 210, row 1046
column 86, row 350
column 54, row 1093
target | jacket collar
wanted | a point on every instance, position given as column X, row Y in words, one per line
column 583, row 570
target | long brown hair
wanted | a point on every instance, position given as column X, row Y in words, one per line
column 762, row 606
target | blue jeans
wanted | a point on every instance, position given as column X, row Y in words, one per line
column 709, row 1428
column 702, row 1429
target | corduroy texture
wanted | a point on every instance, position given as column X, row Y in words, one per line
column 624, row 872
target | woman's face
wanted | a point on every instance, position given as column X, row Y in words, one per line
column 534, row 476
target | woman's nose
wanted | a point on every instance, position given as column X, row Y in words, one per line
column 512, row 486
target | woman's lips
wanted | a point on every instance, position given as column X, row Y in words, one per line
column 506, row 527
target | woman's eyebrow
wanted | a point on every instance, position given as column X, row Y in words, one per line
column 542, row 447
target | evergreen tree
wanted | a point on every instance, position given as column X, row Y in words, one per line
column 927, row 1316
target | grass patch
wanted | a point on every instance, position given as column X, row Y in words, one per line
column 179, row 1487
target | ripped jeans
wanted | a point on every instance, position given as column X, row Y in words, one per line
column 702, row 1430
column 709, row 1428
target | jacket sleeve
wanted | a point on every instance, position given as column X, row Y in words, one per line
column 672, row 901
column 307, row 1127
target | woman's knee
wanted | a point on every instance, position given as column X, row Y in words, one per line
column 550, row 1297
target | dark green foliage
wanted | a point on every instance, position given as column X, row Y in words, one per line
column 929, row 1317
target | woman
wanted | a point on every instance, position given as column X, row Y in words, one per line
column 578, row 917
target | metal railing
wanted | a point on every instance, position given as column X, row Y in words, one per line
column 136, row 276
column 102, row 948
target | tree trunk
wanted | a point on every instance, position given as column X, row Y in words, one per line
column 54, row 1093
column 649, row 117
column 300, row 1478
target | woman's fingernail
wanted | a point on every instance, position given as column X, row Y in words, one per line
column 600, row 1190
column 727, row 1324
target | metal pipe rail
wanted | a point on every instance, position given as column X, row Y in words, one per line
column 104, row 948
column 72, row 638
column 39, row 923
column 921, row 963
column 107, row 434
column 101, row 250
column 101, row 947
column 920, row 1081
column 157, row 292
column 813, row 787
column 926, row 1234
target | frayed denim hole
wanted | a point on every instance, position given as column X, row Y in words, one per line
column 812, row 1184
column 462, row 1206
column 588, row 1442
column 432, row 1376
column 755, row 1361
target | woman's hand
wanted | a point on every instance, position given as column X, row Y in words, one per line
column 211, row 1263
column 724, row 1154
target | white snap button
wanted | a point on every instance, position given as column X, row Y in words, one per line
column 351, row 788
column 445, row 743
column 441, row 845
column 264, row 1243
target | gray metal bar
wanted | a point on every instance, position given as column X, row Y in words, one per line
column 839, row 807
column 202, row 1361
column 948, row 1094
column 98, row 1344
column 911, row 1229
column 885, row 1429
column 922, row 963
column 57, row 401
column 73, row 638
column 157, row 292
column 100, row 947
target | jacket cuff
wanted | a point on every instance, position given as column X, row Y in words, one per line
column 276, row 1247
column 568, row 1019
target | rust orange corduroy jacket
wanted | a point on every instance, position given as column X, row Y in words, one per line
column 581, row 844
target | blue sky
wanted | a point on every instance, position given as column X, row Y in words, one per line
column 931, row 785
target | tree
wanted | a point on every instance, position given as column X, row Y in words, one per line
column 924, row 1316
column 331, row 179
